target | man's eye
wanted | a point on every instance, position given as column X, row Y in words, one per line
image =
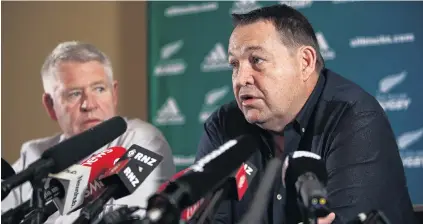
column 74, row 94
column 100, row 89
column 233, row 64
column 256, row 60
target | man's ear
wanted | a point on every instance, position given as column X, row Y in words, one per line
column 308, row 59
column 115, row 92
column 48, row 105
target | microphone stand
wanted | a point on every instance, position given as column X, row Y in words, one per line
column 36, row 216
column 210, row 209
column 94, row 208
column 256, row 210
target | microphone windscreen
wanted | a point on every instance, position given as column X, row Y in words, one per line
column 76, row 148
column 213, row 169
column 6, row 170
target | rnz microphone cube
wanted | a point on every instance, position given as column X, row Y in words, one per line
column 125, row 173
column 74, row 180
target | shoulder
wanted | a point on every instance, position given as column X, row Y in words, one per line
column 339, row 90
column 31, row 150
column 144, row 134
column 144, row 128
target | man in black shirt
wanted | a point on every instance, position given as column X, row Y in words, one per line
column 288, row 99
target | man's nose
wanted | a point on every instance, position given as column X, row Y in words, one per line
column 88, row 103
column 244, row 76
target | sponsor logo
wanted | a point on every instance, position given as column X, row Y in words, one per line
column 241, row 181
column 169, row 114
column 131, row 153
column 168, row 66
column 180, row 10
column 244, row 6
column 297, row 4
column 392, row 101
column 216, row 60
column 327, row 52
column 408, row 138
column 411, row 158
column 96, row 157
column 76, row 193
column 248, row 169
column 145, row 159
column 131, row 176
column 211, row 100
column 383, row 39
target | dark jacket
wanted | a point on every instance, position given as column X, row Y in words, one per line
column 347, row 127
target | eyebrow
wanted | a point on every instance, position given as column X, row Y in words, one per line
column 249, row 48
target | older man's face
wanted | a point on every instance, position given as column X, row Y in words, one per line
column 266, row 75
column 83, row 96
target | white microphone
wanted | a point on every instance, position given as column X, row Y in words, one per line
column 77, row 179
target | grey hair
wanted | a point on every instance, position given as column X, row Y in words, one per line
column 72, row 51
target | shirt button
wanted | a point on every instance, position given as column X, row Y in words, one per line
column 303, row 130
column 279, row 197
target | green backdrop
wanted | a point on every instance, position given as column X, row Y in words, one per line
column 375, row 44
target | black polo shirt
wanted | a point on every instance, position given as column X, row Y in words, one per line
column 347, row 127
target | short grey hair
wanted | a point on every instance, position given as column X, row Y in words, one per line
column 72, row 51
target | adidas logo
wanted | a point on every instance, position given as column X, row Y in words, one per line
column 325, row 50
column 169, row 114
column 167, row 66
column 244, row 6
column 216, row 60
column 300, row 4
column 211, row 102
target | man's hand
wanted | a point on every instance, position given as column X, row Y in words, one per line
column 326, row 220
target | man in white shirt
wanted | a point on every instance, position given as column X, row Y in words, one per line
column 79, row 93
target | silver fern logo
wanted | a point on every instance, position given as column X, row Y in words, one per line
column 390, row 100
column 299, row 4
column 327, row 52
column 409, row 138
column 168, row 66
column 211, row 102
column 390, row 81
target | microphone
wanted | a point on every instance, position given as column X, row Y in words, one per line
column 80, row 179
column 204, row 176
column 187, row 213
column 305, row 177
column 68, row 152
column 259, row 202
column 121, row 180
column 6, row 170
column 234, row 189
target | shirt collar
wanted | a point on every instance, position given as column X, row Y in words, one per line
column 302, row 119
